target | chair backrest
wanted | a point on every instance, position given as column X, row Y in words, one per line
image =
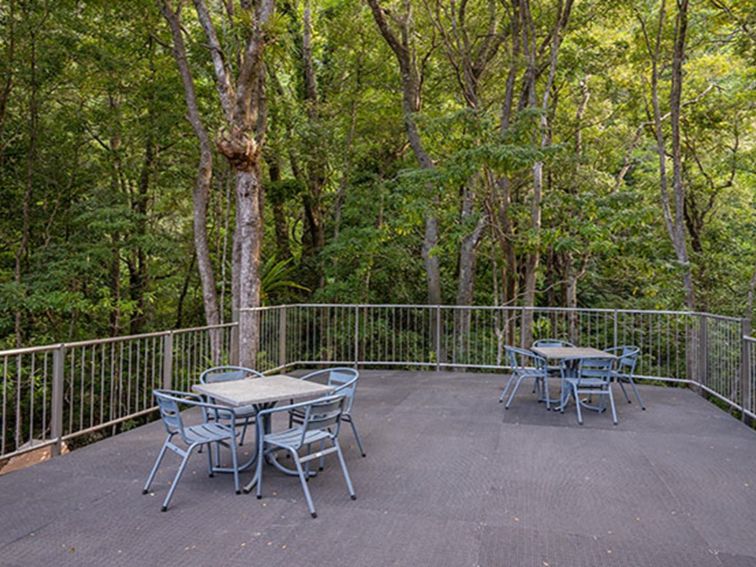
column 627, row 358
column 323, row 413
column 345, row 380
column 227, row 374
column 521, row 359
column 596, row 368
column 552, row 343
column 169, row 412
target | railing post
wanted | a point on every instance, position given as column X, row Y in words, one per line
column 745, row 366
column 234, row 348
column 168, row 360
column 522, row 328
column 282, row 336
column 56, row 425
column 703, row 350
column 438, row 338
column 356, row 335
column 616, row 327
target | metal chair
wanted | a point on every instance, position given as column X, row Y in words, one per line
column 169, row 402
column 552, row 343
column 321, row 424
column 346, row 381
column 244, row 415
column 589, row 377
column 525, row 364
column 555, row 371
column 627, row 360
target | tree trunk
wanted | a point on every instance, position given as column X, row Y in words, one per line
column 203, row 181
column 249, row 212
column 31, row 161
column 533, row 257
column 411, row 82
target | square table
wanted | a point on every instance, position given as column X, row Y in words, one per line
column 560, row 353
column 262, row 393
column 566, row 352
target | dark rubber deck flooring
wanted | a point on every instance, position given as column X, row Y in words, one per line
column 450, row 479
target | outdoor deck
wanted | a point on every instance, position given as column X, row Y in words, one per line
column 450, row 479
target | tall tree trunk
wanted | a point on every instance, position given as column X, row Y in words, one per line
column 203, row 181
column 31, row 162
column 411, row 81
column 533, row 257
column 674, row 221
column 314, row 240
column 675, row 97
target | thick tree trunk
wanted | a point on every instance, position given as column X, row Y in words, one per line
column 249, row 212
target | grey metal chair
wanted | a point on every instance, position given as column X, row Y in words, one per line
column 346, row 381
column 244, row 415
column 552, row 343
column 170, row 402
column 554, row 371
column 627, row 360
column 588, row 377
column 526, row 365
column 321, row 424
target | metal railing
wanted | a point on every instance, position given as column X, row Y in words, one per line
column 708, row 351
column 55, row 393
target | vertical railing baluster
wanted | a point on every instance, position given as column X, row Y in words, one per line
column 56, row 426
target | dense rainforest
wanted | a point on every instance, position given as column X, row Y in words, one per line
column 163, row 162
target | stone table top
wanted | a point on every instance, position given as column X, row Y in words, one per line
column 256, row 391
column 559, row 353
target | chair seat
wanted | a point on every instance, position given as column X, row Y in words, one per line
column 587, row 382
column 291, row 438
column 208, row 433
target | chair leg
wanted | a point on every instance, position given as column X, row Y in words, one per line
column 506, row 388
column 578, row 403
column 344, row 470
column 637, row 393
column 210, row 467
column 156, row 466
column 307, row 464
column 244, row 432
column 176, row 480
column 514, row 391
column 235, row 462
column 303, row 482
column 260, row 458
column 622, row 387
column 356, row 436
column 321, row 465
column 611, row 404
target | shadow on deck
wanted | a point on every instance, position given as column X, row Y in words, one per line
column 450, row 479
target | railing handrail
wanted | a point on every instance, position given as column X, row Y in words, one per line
column 497, row 307
column 107, row 340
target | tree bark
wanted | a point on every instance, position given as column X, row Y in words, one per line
column 203, row 181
